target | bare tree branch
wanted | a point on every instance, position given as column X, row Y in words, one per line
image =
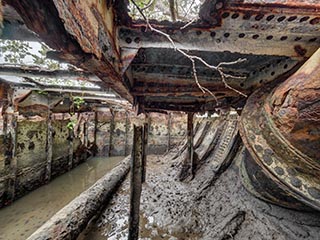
column 192, row 58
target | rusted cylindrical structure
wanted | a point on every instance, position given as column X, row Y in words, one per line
column 281, row 130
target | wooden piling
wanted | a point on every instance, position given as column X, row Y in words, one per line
column 95, row 132
column 112, row 125
column 190, row 143
column 169, row 132
column 126, row 147
column 70, row 158
column 145, row 146
column 136, row 181
column 49, row 144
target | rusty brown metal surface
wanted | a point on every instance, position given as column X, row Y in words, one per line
column 284, row 146
column 74, row 40
column 295, row 108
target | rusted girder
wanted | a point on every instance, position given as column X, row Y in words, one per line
column 83, row 34
column 281, row 130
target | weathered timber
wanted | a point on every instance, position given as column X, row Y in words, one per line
column 188, row 164
column 95, row 133
column 126, row 135
column 136, row 181
column 49, row 144
column 145, row 149
column 111, row 132
column 169, row 132
column 68, row 223
column 11, row 140
column 70, row 157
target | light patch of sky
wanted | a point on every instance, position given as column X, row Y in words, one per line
column 28, row 60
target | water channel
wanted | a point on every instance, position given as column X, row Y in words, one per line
column 19, row 220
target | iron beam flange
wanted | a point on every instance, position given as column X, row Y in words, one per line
column 293, row 171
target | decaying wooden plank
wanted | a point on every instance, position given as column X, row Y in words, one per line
column 68, row 223
column 136, row 181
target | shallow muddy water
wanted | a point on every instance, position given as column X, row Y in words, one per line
column 24, row 216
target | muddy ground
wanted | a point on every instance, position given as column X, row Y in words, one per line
column 171, row 209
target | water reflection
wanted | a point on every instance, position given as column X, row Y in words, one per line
column 24, row 216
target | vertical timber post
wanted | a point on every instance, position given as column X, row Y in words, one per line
column 11, row 140
column 71, row 137
column 49, row 143
column 145, row 145
column 190, row 143
column 111, row 131
column 126, row 137
column 95, row 133
column 136, row 181
column 86, row 137
column 169, row 132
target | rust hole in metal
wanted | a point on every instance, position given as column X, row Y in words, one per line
column 269, row 18
column 256, row 36
column 315, row 21
column 283, row 38
column 128, row 40
column 297, row 39
column 213, row 34
column 292, row 18
column 285, row 66
column 300, row 51
column 137, row 40
column 280, row 19
column 226, row 35
column 241, row 35
column 312, row 39
column 259, row 17
column 225, row 15
column 235, row 15
column 304, row 19
column 269, row 37
column 246, row 16
column 198, row 33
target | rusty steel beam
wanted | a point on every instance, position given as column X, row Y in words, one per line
column 83, row 34
column 281, row 131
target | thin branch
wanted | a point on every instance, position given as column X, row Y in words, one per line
column 192, row 58
column 189, row 23
column 149, row 4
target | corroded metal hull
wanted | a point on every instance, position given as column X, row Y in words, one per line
column 280, row 128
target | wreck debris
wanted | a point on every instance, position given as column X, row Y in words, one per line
column 73, row 218
column 279, row 130
column 136, row 181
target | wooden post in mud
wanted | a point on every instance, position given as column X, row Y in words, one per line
column 190, row 142
column 11, row 141
column 169, row 132
column 95, row 132
column 136, row 181
column 145, row 146
column 111, row 132
column 126, row 136
column 49, row 142
column 71, row 137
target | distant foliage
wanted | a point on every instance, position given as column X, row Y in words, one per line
column 179, row 10
column 21, row 53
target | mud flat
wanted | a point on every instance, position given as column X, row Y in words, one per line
column 211, row 205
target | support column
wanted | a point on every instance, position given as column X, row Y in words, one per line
column 49, row 143
column 71, row 137
column 190, row 143
column 169, row 132
column 11, row 141
column 145, row 146
column 126, row 147
column 111, row 131
column 136, row 181
column 95, row 133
